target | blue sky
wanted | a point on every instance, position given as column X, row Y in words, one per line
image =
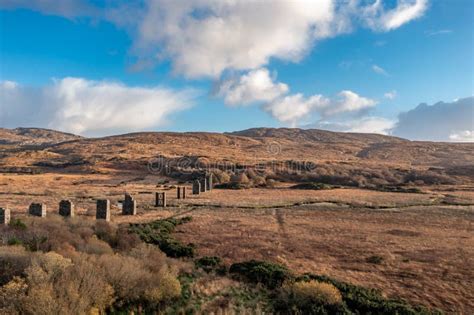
column 61, row 66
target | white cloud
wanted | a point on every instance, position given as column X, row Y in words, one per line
column 379, row 70
column 390, row 95
column 292, row 108
column 258, row 87
column 378, row 18
column 207, row 37
column 255, row 86
column 204, row 38
column 462, row 136
column 91, row 107
column 438, row 122
column 368, row 124
column 347, row 101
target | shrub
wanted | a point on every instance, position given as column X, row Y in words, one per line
column 159, row 233
column 220, row 176
column 211, row 263
column 87, row 276
column 54, row 284
column 13, row 261
column 316, row 292
column 17, row 224
column 97, row 247
column 369, row 301
column 269, row 274
column 312, row 297
column 240, row 179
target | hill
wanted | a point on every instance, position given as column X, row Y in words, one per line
column 336, row 155
column 34, row 136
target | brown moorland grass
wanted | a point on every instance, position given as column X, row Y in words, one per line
column 426, row 251
column 425, row 246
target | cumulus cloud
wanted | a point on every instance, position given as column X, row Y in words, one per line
column 347, row 101
column 391, row 95
column 255, row 86
column 204, row 38
column 258, row 86
column 90, row 107
column 379, row 70
column 370, row 124
column 452, row 121
column 292, row 108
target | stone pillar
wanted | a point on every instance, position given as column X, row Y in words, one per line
column 209, row 182
column 129, row 205
column 160, row 199
column 181, row 192
column 103, row 210
column 37, row 210
column 66, row 208
column 4, row 216
column 203, row 184
column 196, row 187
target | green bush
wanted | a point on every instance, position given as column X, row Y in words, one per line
column 269, row 274
column 17, row 224
column 14, row 241
column 211, row 263
column 159, row 233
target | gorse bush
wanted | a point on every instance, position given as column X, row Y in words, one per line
column 159, row 233
column 315, row 292
column 211, row 263
column 312, row 297
column 269, row 274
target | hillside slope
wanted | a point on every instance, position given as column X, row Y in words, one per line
column 34, row 136
column 335, row 151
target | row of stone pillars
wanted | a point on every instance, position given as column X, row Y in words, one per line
column 66, row 209
column 202, row 185
column 129, row 204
